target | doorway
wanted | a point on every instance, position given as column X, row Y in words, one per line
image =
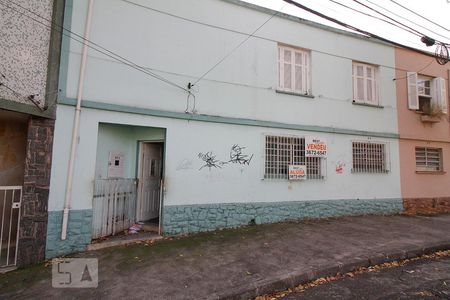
column 150, row 175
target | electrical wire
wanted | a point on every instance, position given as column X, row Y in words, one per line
column 238, row 46
column 399, row 16
column 419, row 15
column 103, row 50
column 233, row 31
column 418, row 71
column 201, row 23
column 375, row 17
column 388, row 17
column 175, row 16
column 357, row 29
column 20, row 96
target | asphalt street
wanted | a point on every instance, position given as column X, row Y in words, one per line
column 423, row 279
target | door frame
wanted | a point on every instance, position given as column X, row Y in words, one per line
column 140, row 144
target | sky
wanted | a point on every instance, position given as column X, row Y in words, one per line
column 437, row 11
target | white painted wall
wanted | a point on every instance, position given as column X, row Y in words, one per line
column 186, row 184
column 243, row 85
column 122, row 139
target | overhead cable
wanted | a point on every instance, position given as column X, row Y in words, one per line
column 419, row 15
column 368, row 34
column 91, row 45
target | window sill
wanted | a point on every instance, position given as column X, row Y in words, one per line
column 429, row 119
column 295, row 94
column 366, row 104
column 368, row 172
column 431, row 172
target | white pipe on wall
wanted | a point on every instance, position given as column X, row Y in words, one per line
column 76, row 124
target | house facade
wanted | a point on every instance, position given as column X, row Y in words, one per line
column 300, row 121
column 422, row 94
column 29, row 69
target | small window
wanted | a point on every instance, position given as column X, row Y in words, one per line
column 282, row 151
column 428, row 159
column 369, row 157
column 294, row 70
column 365, row 83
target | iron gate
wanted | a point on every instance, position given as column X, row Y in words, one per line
column 114, row 206
column 10, row 199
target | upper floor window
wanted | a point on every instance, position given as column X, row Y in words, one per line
column 365, row 83
column 426, row 94
column 294, row 70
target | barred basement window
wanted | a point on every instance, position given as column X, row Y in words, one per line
column 369, row 157
column 428, row 159
column 282, row 151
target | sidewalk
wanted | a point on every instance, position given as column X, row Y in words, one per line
column 242, row 263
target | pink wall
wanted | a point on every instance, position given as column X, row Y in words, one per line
column 413, row 132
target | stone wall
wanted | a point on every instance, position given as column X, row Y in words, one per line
column 426, row 206
column 79, row 232
column 207, row 217
column 33, row 221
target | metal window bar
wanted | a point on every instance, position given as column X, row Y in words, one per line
column 281, row 151
column 114, row 206
column 369, row 157
column 428, row 159
column 10, row 208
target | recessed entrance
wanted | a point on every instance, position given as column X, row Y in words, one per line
column 127, row 187
column 13, row 145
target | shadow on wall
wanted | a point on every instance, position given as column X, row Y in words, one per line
column 13, row 143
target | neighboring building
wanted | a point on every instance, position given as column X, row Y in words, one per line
column 29, row 67
column 147, row 150
column 423, row 124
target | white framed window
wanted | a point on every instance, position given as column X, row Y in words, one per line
column 425, row 92
column 428, row 159
column 370, row 157
column 294, row 70
column 365, row 83
column 282, row 151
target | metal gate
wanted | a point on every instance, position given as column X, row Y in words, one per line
column 114, row 206
column 10, row 199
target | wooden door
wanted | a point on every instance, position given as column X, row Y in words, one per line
column 150, row 181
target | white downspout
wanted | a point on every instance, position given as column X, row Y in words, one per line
column 76, row 124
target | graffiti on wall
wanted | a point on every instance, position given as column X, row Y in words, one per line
column 237, row 156
column 210, row 160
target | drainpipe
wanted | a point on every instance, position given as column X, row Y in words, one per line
column 76, row 124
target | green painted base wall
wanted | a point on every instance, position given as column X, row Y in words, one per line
column 196, row 218
column 78, row 233
column 184, row 219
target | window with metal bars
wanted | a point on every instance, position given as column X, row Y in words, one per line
column 282, row 151
column 369, row 157
column 428, row 159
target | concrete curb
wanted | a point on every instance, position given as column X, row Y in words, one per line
column 293, row 279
